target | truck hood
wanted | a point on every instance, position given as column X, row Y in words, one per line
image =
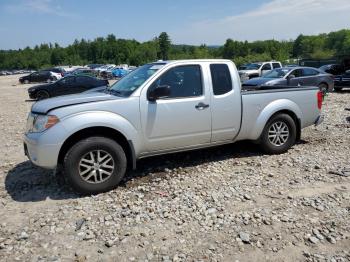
column 44, row 106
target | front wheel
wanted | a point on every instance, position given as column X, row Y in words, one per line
column 279, row 134
column 95, row 165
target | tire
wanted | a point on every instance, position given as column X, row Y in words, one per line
column 337, row 89
column 83, row 169
column 42, row 94
column 324, row 88
column 286, row 139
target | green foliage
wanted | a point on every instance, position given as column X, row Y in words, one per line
column 119, row 51
column 164, row 45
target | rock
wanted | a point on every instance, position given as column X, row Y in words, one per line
column 79, row 223
column 23, row 236
column 211, row 211
column 244, row 237
column 313, row 240
column 247, row 197
column 89, row 235
column 331, row 239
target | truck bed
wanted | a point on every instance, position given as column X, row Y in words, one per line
column 259, row 104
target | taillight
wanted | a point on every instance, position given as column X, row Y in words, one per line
column 319, row 99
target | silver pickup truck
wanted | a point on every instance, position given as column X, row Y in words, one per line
column 159, row 108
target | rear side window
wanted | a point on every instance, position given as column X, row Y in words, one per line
column 309, row 72
column 276, row 65
column 221, row 79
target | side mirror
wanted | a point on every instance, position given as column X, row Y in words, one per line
column 159, row 92
column 290, row 77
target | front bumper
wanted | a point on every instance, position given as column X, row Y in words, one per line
column 40, row 153
column 319, row 120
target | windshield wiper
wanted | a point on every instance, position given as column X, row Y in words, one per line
column 114, row 92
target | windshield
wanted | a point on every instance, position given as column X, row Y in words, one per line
column 251, row 66
column 277, row 73
column 129, row 83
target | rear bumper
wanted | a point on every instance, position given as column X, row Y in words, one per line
column 319, row 120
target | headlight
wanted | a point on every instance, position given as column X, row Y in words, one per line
column 39, row 123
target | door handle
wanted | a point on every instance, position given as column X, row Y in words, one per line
column 201, row 106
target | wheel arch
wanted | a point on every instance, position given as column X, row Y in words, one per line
column 295, row 118
column 108, row 132
column 277, row 107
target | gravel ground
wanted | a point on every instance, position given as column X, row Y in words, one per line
column 229, row 203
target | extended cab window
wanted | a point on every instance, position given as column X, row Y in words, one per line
column 184, row 81
column 276, row 65
column 221, row 79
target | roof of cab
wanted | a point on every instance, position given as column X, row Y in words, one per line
column 190, row 60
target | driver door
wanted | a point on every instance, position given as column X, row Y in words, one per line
column 298, row 79
column 181, row 120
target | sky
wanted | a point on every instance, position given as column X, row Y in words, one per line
column 30, row 22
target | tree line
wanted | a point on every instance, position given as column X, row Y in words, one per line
column 121, row 51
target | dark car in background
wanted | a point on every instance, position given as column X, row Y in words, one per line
column 342, row 81
column 40, row 76
column 65, row 86
column 293, row 76
column 83, row 71
column 334, row 69
column 93, row 66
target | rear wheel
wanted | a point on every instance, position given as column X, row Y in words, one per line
column 323, row 88
column 95, row 165
column 42, row 94
column 279, row 134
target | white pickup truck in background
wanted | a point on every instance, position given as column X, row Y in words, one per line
column 160, row 108
column 252, row 70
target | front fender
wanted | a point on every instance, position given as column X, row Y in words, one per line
column 77, row 122
column 270, row 110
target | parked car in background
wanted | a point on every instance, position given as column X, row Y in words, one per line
column 161, row 108
column 57, row 70
column 252, row 70
column 119, row 72
column 334, row 69
column 65, row 86
column 83, row 71
column 293, row 76
column 93, row 66
column 56, row 75
column 40, row 76
column 104, row 68
column 342, row 81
